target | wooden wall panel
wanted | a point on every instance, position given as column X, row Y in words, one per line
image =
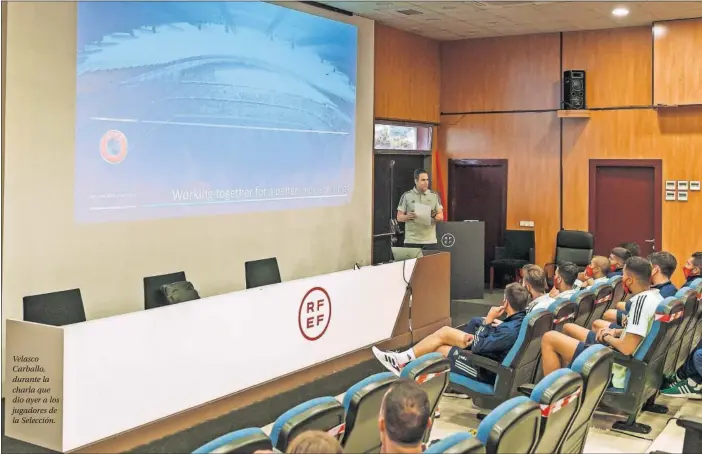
column 531, row 144
column 407, row 76
column 674, row 135
column 678, row 62
column 499, row 74
column 618, row 64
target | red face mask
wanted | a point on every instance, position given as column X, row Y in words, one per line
column 589, row 271
column 627, row 290
column 613, row 268
column 687, row 272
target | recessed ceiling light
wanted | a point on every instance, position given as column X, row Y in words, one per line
column 620, row 12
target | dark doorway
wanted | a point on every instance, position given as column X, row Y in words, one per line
column 478, row 191
column 625, row 204
column 386, row 195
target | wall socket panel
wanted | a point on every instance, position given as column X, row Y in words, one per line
column 526, row 223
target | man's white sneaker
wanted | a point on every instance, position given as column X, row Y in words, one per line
column 388, row 359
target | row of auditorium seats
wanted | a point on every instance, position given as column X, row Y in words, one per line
column 676, row 329
column 66, row 307
column 553, row 417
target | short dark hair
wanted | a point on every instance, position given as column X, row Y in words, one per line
column 568, row 271
column 535, row 277
column 697, row 259
column 639, row 267
column 406, row 411
column 665, row 261
column 621, row 253
column 314, row 442
column 419, row 172
column 517, row 296
column 633, row 248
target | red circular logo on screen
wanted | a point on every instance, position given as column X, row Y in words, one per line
column 315, row 314
column 113, row 146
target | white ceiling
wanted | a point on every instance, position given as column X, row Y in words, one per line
column 478, row 19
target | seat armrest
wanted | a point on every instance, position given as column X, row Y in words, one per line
column 526, row 389
column 690, row 423
column 481, row 361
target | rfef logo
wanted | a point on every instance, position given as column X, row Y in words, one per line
column 448, row 240
column 315, row 314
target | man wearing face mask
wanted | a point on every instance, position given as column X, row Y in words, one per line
column 489, row 340
column 595, row 272
column 560, row 349
column 692, row 268
column 664, row 265
column 564, row 280
column 617, row 258
column 534, row 280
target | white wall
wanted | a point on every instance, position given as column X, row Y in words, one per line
column 45, row 250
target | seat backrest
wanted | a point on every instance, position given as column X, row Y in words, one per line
column 431, row 372
column 262, row 272
column 513, row 427
column 240, row 441
column 585, row 300
column 618, row 286
column 603, row 292
column 558, row 395
column 595, row 367
column 689, row 297
column 153, row 297
column 563, row 310
column 518, row 243
column 362, row 403
column 323, row 413
column 524, row 355
column 458, row 443
column 55, row 308
column 574, row 246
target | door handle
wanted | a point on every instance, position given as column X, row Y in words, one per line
column 650, row 241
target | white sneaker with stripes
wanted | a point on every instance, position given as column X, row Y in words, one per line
column 391, row 360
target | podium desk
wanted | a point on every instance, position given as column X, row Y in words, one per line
column 466, row 243
column 111, row 384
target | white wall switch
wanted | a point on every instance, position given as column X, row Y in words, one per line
column 682, row 196
column 694, row 186
column 670, row 185
column 670, row 195
column 682, row 185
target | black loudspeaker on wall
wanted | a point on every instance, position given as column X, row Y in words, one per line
column 574, row 89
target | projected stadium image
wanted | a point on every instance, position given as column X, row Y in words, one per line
column 204, row 108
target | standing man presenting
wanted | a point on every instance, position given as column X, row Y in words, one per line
column 420, row 221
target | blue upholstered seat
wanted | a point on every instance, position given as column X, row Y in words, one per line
column 511, row 427
column 458, row 443
column 362, row 403
column 248, row 440
column 431, row 372
column 323, row 413
column 517, row 368
column 558, row 396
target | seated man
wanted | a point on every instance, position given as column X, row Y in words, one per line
column 404, row 418
column 560, row 349
column 663, row 266
column 564, row 280
column 617, row 258
column 595, row 272
column 491, row 341
column 687, row 382
column 633, row 248
column 692, row 268
column 534, row 280
column 314, row 442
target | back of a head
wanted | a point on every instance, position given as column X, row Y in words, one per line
column 621, row 253
column 314, row 442
column 639, row 268
column 406, row 412
column 665, row 261
column 568, row 271
column 535, row 277
column 601, row 262
column 696, row 259
column 633, row 249
column 517, row 296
